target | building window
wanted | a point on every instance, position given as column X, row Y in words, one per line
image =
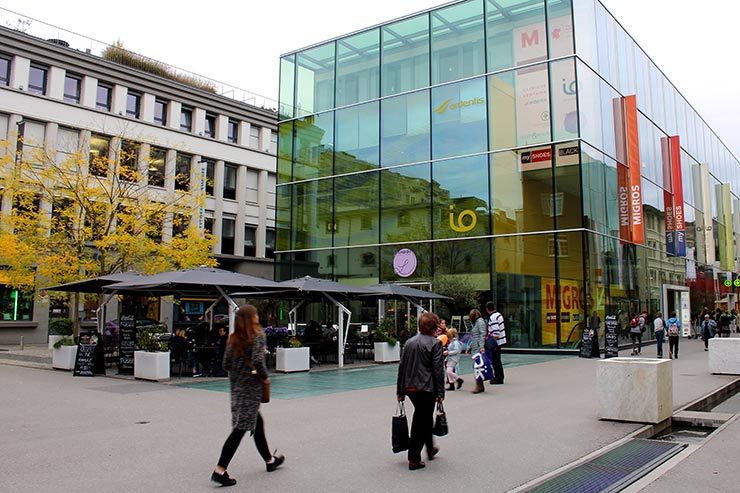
column 128, row 169
column 160, row 112
column 230, row 181
column 210, row 130
column 210, row 166
column 4, row 71
column 562, row 247
column 102, row 99
column 270, row 243
column 366, row 222
column 186, row 119
column 37, row 79
column 15, row 304
column 250, row 234
column 403, row 219
column 368, row 259
column 227, row 236
column 157, row 161
column 133, row 101
column 72, row 85
column 254, row 137
column 180, row 223
column 99, row 147
column 182, row 172
column 233, row 133
column 208, row 225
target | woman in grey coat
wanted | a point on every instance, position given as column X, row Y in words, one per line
column 244, row 359
column 477, row 343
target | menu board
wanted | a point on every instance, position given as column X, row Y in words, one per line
column 126, row 344
column 90, row 358
column 611, row 335
column 587, row 342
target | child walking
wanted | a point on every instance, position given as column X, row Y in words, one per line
column 454, row 348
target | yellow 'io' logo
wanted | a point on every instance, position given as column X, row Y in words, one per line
column 459, row 225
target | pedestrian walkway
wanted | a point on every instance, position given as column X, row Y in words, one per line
column 312, row 384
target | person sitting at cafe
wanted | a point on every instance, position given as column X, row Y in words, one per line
column 223, row 336
column 312, row 338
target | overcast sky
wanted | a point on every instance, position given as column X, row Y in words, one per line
column 240, row 43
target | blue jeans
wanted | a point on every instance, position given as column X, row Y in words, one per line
column 660, row 337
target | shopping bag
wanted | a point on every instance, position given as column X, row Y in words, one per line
column 482, row 366
column 440, row 421
column 400, row 430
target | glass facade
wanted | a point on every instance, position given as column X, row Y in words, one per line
column 531, row 147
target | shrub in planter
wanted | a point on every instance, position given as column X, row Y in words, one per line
column 61, row 327
column 148, row 339
column 67, row 341
column 382, row 333
column 294, row 343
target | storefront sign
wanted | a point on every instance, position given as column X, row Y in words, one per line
column 90, row 357
column 404, row 262
column 464, row 221
column 633, row 161
column 678, row 205
column 611, row 336
column 571, row 310
column 726, row 230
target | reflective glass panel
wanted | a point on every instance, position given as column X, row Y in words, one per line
column 405, row 129
column 405, row 201
column 467, row 260
column 287, row 86
column 397, row 264
column 312, row 214
column 315, row 80
column 405, row 56
column 460, row 195
column 459, row 119
column 358, row 65
column 565, row 204
column 313, row 146
column 356, row 209
column 282, row 217
column 285, row 152
column 157, row 160
column 457, row 41
column 357, row 144
column 560, row 24
column 359, row 266
column 563, row 96
column 516, row 33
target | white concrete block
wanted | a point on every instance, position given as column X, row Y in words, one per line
column 292, row 359
column 152, row 366
column 724, row 355
column 635, row 389
column 64, row 358
column 385, row 353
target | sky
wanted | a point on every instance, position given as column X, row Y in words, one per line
column 240, row 42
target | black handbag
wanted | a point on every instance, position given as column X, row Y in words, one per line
column 440, row 421
column 400, row 430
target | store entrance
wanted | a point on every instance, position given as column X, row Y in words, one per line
column 676, row 299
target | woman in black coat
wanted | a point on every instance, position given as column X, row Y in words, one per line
column 245, row 361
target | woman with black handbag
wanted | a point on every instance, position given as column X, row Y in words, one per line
column 245, row 361
column 421, row 377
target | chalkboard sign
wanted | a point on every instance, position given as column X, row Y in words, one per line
column 90, row 358
column 611, row 335
column 126, row 344
column 586, row 344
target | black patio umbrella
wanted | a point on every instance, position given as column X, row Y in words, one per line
column 95, row 284
column 307, row 285
column 390, row 290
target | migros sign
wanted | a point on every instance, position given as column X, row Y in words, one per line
column 450, row 104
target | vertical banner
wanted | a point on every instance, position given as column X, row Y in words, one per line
column 623, row 187
column 707, row 208
column 633, row 161
column 670, row 218
column 726, row 230
column 678, row 206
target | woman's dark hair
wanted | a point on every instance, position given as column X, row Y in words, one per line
column 673, row 314
column 428, row 323
column 245, row 330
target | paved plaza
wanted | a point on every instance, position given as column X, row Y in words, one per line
column 64, row 433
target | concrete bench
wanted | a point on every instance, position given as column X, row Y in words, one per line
column 724, row 356
column 635, row 389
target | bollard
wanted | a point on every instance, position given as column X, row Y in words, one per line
column 21, row 343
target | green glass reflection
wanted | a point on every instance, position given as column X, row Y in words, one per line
column 457, row 42
column 519, row 107
column 521, row 190
column 287, row 87
column 357, row 266
column 516, row 33
column 460, row 197
column 313, row 146
column 356, row 209
column 459, row 119
column 405, row 201
column 282, row 217
column 596, row 193
column 357, row 67
column 312, row 223
column 285, row 152
column 315, row 80
column 357, row 145
column 468, row 260
column 568, row 250
column 283, row 267
column 405, row 129
column 317, row 263
column 405, row 57
column 564, row 114
column 565, row 204
column 422, row 252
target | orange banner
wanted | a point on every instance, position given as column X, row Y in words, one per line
column 633, row 161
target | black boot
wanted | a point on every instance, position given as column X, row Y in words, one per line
column 451, row 387
column 459, row 382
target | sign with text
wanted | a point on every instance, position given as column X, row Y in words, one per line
column 633, row 162
column 677, row 188
column 587, row 343
column 90, row 359
column 611, row 336
column 126, row 344
column 571, row 310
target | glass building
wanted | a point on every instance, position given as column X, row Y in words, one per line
column 530, row 146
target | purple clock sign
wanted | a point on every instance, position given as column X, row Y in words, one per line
column 404, row 262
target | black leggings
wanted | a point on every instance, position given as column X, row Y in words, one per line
column 673, row 346
column 421, row 424
column 232, row 443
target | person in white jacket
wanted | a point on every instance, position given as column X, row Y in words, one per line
column 454, row 349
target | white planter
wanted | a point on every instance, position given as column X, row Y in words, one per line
column 53, row 340
column 385, row 353
column 64, row 358
column 292, row 359
column 724, row 355
column 635, row 389
column 152, row 366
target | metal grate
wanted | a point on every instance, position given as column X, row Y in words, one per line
column 613, row 470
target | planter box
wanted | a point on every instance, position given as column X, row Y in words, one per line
column 724, row 355
column 635, row 389
column 53, row 340
column 64, row 358
column 292, row 359
column 152, row 366
column 385, row 353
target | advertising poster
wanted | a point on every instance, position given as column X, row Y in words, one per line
column 571, row 311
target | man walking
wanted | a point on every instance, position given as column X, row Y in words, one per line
column 495, row 338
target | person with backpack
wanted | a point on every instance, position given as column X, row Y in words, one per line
column 674, row 332
column 636, row 334
column 708, row 330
